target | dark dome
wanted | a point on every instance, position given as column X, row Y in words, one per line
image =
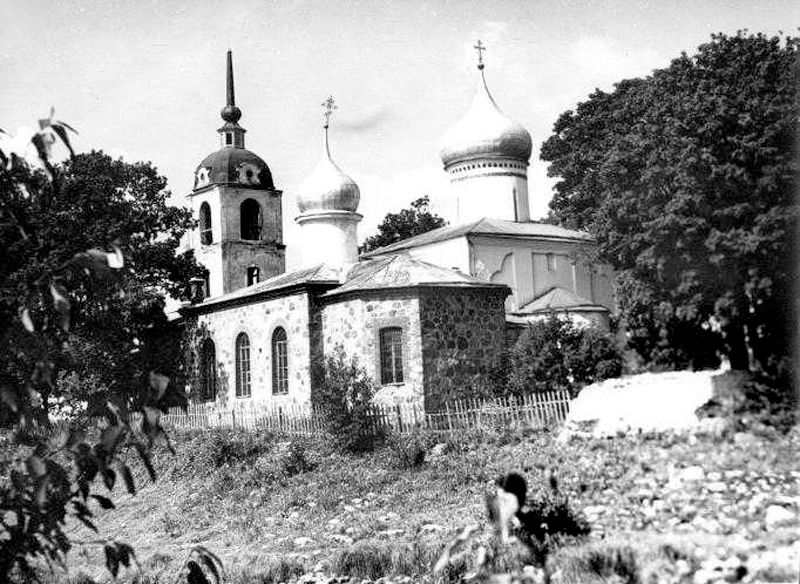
column 233, row 166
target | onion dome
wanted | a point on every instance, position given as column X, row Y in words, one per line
column 232, row 164
column 327, row 188
column 234, row 167
column 485, row 131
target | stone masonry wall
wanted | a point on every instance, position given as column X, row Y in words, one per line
column 258, row 320
column 355, row 322
column 463, row 338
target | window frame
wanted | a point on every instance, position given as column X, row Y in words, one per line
column 256, row 225
column 208, row 370
column 252, row 275
column 552, row 262
column 280, row 361
column 392, row 372
column 244, row 386
column 206, row 225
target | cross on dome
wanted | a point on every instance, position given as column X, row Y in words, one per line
column 329, row 105
column 480, row 47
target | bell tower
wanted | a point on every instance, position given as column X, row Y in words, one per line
column 239, row 237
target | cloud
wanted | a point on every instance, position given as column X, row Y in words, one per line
column 368, row 121
column 605, row 62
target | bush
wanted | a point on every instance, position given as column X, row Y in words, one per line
column 342, row 396
column 752, row 403
column 409, row 450
column 296, row 460
column 555, row 354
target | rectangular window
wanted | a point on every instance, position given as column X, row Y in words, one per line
column 551, row 262
column 391, row 349
column 252, row 276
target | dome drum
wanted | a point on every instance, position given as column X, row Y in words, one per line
column 234, row 167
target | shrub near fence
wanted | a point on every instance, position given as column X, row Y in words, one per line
column 532, row 411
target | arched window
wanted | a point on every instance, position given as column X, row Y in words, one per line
column 250, row 214
column 391, row 348
column 208, row 371
column 206, row 236
column 242, row 366
column 280, row 362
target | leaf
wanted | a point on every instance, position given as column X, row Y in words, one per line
column 127, row 477
column 9, row 397
column 61, row 303
column 41, row 492
column 36, row 466
column 210, row 560
column 112, row 559
column 62, row 133
column 196, row 574
column 115, row 260
column 109, row 478
column 105, row 502
column 144, row 454
column 158, row 383
column 25, row 317
column 110, row 438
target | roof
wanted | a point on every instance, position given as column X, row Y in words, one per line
column 484, row 226
column 559, row 299
column 320, row 274
column 402, row 271
column 230, row 165
column 396, row 271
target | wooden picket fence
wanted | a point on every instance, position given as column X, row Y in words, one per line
column 536, row 410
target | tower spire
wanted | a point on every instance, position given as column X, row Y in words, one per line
column 230, row 113
column 229, row 81
column 231, row 132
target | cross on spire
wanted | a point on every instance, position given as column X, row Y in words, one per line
column 480, row 47
column 329, row 105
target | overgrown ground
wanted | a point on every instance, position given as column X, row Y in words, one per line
column 662, row 509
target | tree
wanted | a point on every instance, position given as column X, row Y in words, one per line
column 555, row 354
column 686, row 178
column 342, row 397
column 91, row 203
column 88, row 253
column 407, row 223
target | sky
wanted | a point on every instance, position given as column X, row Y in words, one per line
column 145, row 79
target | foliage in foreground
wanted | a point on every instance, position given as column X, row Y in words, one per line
column 687, row 180
column 555, row 354
column 342, row 396
column 69, row 307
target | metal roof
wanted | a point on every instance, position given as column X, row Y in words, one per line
column 485, row 226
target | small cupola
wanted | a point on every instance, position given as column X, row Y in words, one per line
column 328, row 200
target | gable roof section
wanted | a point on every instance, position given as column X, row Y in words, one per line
column 320, row 274
column 559, row 299
column 485, row 226
column 403, row 271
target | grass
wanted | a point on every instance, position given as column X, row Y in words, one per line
column 252, row 498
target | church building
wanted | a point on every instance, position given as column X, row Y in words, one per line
column 421, row 316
